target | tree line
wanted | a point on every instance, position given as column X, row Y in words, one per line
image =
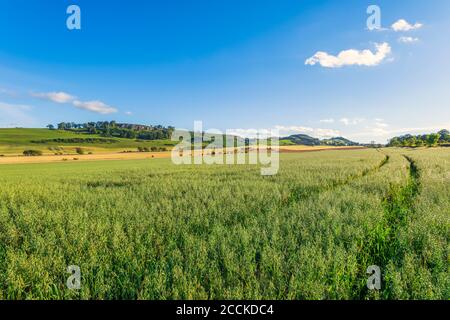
column 118, row 130
column 430, row 140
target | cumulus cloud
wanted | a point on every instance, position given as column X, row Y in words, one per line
column 58, row 97
column 383, row 134
column 94, row 106
column 353, row 121
column 326, row 133
column 245, row 133
column 403, row 25
column 282, row 131
column 16, row 115
column 351, row 57
column 327, row 120
column 381, row 124
column 63, row 97
column 408, row 39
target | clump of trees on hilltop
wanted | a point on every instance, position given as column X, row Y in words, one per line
column 430, row 140
column 118, row 130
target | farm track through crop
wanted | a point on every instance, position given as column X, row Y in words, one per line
column 383, row 246
column 301, row 193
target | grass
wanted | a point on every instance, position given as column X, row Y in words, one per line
column 15, row 141
column 286, row 143
column 147, row 229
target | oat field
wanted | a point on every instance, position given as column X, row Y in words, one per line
column 147, row 229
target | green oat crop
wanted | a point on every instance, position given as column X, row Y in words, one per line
column 148, row 229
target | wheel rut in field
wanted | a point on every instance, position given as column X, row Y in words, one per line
column 399, row 203
column 299, row 193
column 383, row 245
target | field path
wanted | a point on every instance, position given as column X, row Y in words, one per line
column 383, row 246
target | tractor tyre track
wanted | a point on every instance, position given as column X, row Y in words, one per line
column 383, row 245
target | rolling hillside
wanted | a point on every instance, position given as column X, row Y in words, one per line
column 15, row 141
column 303, row 139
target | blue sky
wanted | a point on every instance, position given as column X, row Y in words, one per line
column 232, row 64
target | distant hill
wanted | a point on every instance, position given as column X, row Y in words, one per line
column 339, row 141
column 15, row 141
column 304, row 139
column 300, row 139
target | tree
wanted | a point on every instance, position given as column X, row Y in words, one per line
column 411, row 141
column 404, row 142
column 32, row 153
column 107, row 132
column 395, row 142
column 433, row 139
column 444, row 136
column 51, row 127
column 420, row 142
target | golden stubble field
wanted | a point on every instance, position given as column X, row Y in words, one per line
column 115, row 155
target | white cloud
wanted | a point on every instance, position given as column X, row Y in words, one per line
column 376, row 132
column 380, row 122
column 284, row 131
column 15, row 115
column 58, row 97
column 244, row 133
column 351, row 57
column 94, row 106
column 382, row 132
column 327, row 120
column 326, row 133
column 63, row 97
column 353, row 121
column 403, row 25
column 408, row 39
column 128, row 113
column 381, row 125
column 345, row 121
